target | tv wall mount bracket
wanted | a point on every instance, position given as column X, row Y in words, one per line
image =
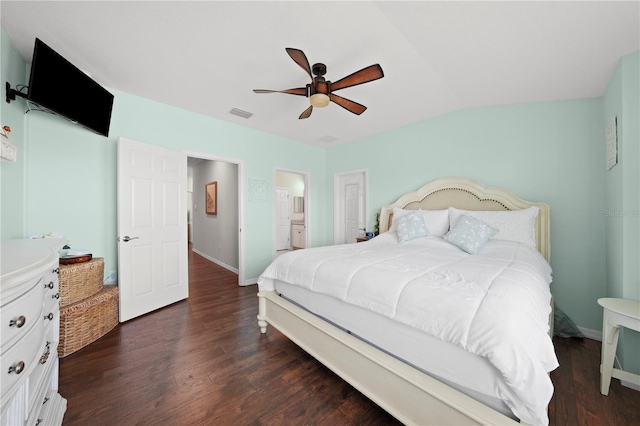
column 12, row 93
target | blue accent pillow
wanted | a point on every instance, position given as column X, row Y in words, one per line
column 470, row 234
column 411, row 226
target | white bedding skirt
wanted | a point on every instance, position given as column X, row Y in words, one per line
column 470, row 374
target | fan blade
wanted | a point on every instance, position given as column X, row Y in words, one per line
column 365, row 75
column 301, row 59
column 306, row 113
column 347, row 104
column 300, row 91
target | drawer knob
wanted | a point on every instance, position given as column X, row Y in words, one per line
column 49, row 317
column 56, row 271
column 18, row 368
column 56, row 296
column 50, row 285
column 18, row 322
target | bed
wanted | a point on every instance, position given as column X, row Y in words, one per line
column 446, row 364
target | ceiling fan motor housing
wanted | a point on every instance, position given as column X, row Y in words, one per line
column 318, row 94
column 319, row 85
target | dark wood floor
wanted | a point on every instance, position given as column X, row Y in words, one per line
column 204, row 361
column 577, row 399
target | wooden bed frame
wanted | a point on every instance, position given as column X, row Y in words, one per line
column 407, row 393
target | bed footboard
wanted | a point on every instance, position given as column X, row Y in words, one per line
column 403, row 391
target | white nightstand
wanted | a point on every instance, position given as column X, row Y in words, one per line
column 363, row 239
column 617, row 313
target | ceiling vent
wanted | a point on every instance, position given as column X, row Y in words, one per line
column 328, row 139
column 241, row 113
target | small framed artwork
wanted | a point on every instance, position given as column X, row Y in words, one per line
column 211, row 197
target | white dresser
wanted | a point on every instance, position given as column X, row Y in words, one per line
column 29, row 332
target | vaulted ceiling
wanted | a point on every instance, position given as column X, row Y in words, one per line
column 437, row 57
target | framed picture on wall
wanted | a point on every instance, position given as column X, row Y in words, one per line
column 211, row 197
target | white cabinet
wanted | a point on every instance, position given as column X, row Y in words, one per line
column 297, row 236
column 30, row 332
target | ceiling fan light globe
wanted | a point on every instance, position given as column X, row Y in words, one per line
column 319, row 100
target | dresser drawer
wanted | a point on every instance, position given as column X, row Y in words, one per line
column 40, row 380
column 20, row 315
column 52, row 273
column 51, row 286
column 51, row 298
column 51, row 412
column 52, row 328
column 20, row 359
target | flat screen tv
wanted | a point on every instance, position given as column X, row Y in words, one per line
column 60, row 87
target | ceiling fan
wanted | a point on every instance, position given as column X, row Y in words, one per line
column 320, row 91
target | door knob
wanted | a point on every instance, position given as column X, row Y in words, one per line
column 127, row 238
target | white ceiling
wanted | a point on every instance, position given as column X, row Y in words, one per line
column 437, row 57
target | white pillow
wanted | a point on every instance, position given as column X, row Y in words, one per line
column 437, row 221
column 516, row 225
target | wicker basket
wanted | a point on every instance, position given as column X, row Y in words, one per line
column 86, row 321
column 80, row 280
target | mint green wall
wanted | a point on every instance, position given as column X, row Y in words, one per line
column 622, row 100
column 612, row 107
column 12, row 70
column 549, row 152
column 71, row 178
column 65, row 180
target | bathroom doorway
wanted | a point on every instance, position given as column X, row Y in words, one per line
column 291, row 216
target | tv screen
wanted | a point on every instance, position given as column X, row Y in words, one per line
column 59, row 86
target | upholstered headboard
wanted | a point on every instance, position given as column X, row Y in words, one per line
column 468, row 194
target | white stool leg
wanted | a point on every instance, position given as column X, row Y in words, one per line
column 609, row 345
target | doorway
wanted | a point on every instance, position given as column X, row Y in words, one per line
column 351, row 198
column 216, row 234
column 283, row 219
column 291, row 210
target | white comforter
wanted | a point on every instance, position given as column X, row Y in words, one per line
column 495, row 304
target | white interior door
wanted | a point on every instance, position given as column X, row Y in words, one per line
column 152, row 243
column 283, row 224
column 352, row 211
column 349, row 206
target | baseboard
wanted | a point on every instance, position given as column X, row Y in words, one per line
column 630, row 385
column 216, row 261
column 591, row 334
column 250, row 281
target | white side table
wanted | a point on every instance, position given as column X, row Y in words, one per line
column 617, row 313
